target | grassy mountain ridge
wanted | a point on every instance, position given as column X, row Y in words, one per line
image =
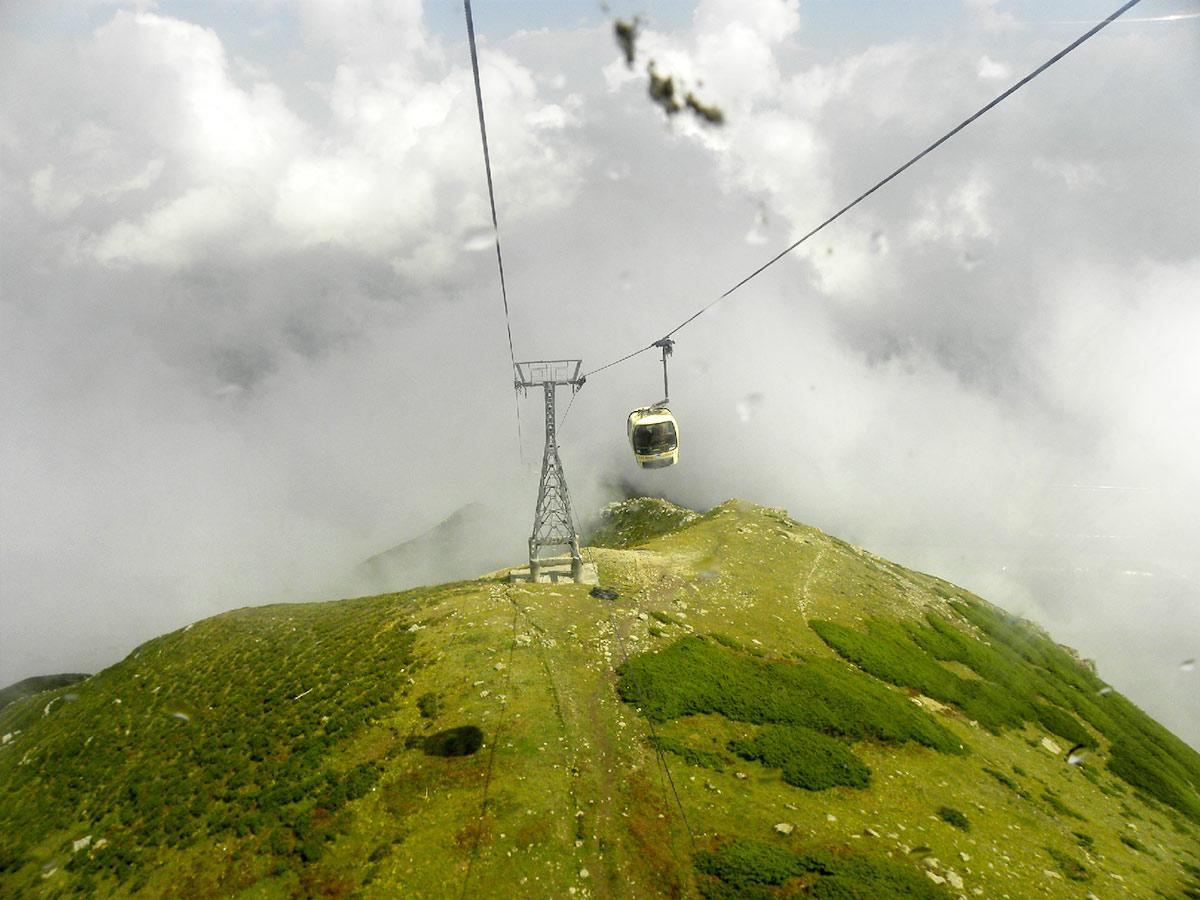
column 763, row 710
column 37, row 684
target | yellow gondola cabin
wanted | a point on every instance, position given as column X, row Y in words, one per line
column 654, row 437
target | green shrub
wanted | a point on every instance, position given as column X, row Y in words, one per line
column 743, row 863
column 745, row 867
column 1086, row 841
column 887, row 651
column 358, row 781
column 1007, row 782
column 865, row 877
column 224, row 731
column 1092, row 775
column 954, row 817
column 1059, row 807
column 726, row 641
column 838, row 887
column 1026, row 677
column 693, row 676
column 1191, row 887
column 1063, row 724
column 663, row 617
column 1069, row 866
column 945, row 641
column 691, row 755
column 1134, row 844
column 1146, row 767
column 430, row 705
column 311, row 850
column 809, row 759
column 1143, row 753
column 1002, row 778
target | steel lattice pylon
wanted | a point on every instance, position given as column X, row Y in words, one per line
column 553, row 520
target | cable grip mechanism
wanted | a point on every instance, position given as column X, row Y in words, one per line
column 668, row 347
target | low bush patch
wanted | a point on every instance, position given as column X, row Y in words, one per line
column 743, row 863
column 693, row 676
column 1058, row 806
column 745, row 868
column 706, row 759
column 1134, row 844
column 808, row 759
column 1069, row 866
column 430, row 705
column 952, row 816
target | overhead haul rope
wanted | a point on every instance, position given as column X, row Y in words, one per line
column 491, row 762
column 487, row 164
column 572, row 755
column 664, row 768
column 863, row 196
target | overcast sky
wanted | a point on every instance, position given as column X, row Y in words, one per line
column 252, row 332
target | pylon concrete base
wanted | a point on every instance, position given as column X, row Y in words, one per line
column 555, row 573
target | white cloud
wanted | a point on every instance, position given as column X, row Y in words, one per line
column 771, row 21
column 94, row 171
column 168, row 82
column 990, row 70
column 1077, row 174
column 173, row 235
column 734, row 48
column 204, row 165
column 990, row 16
column 960, row 214
column 371, row 31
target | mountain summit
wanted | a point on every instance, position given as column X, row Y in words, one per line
column 748, row 708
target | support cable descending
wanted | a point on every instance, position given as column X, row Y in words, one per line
column 477, row 831
column 572, row 753
column 1091, row 32
column 664, row 768
column 487, row 164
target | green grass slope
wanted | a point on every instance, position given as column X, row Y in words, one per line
column 763, row 711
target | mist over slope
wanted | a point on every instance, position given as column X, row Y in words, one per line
column 762, row 710
column 460, row 546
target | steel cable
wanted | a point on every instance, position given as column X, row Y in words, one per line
column 487, row 164
column 1091, row 32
